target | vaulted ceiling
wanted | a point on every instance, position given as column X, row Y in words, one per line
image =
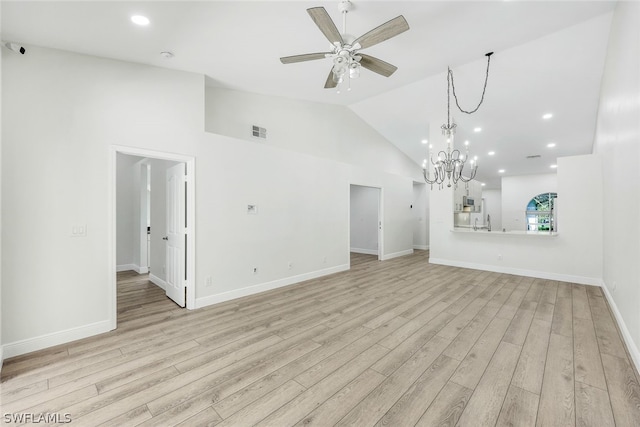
column 549, row 58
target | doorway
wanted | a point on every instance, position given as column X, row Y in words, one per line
column 365, row 220
column 174, row 268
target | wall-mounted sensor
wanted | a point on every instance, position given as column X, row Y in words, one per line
column 15, row 47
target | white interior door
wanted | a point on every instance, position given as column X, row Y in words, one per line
column 176, row 234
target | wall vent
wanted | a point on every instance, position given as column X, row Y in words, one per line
column 535, row 156
column 258, row 132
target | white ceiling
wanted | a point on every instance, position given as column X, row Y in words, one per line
column 549, row 57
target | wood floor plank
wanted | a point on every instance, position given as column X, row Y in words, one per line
column 463, row 342
column 337, row 406
column 205, row 418
column 400, row 354
column 530, row 369
column 557, row 398
column 134, row 417
column 520, row 408
column 447, row 407
column 307, row 401
column 581, row 309
column 319, row 371
column 256, row 412
column 588, row 365
column 238, row 400
column 592, row 407
column 393, row 343
column 519, row 327
column 562, row 322
column 485, row 403
column 470, row 370
column 624, row 390
column 415, row 401
column 382, row 398
column 609, row 340
column 222, row 386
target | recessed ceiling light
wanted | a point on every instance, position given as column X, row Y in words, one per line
column 140, row 20
column 553, row 166
column 551, row 144
column 501, row 171
column 547, row 116
column 477, row 129
column 491, row 153
column 424, row 141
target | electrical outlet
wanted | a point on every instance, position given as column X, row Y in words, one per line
column 255, row 270
column 499, row 257
column 79, row 230
column 615, row 285
column 324, row 260
column 290, row 265
column 208, row 281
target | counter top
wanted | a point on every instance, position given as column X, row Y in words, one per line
column 504, row 233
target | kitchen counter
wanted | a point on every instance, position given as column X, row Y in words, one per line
column 464, row 230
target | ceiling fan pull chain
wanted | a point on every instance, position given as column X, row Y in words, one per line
column 486, row 79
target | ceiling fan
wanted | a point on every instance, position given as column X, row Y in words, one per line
column 345, row 50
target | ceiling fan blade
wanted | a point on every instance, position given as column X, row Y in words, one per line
column 377, row 65
column 384, row 32
column 305, row 57
column 330, row 84
column 326, row 24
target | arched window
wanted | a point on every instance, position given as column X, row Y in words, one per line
column 541, row 212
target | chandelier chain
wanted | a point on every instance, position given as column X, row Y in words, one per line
column 450, row 80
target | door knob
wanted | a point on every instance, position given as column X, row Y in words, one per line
column 165, row 238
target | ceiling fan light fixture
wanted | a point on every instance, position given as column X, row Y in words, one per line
column 354, row 70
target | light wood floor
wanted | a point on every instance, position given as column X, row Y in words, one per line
column 395, row 343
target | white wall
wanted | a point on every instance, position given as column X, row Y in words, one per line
column 420, row 216
column 329, row 131
column 617, row 140
column 541, row 256
column 363, row 230
column 493, row 206
column 517, row 192
column 64, row 111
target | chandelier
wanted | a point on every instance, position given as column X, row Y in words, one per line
column 450, row 165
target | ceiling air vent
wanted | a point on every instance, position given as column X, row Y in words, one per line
column 259, row 132
column 535, row 156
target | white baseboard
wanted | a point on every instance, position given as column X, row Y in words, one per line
column 396, row 255
column 132, row 267
column 126, row 267
column 626, row 335
column 421, row 247
column 262, row 287
column 158, row 281
column 1, row 357
column 56, row 338
column 520, row 272
column 364, row 251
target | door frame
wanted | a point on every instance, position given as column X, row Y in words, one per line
column 380, row 219
column 189, row 162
